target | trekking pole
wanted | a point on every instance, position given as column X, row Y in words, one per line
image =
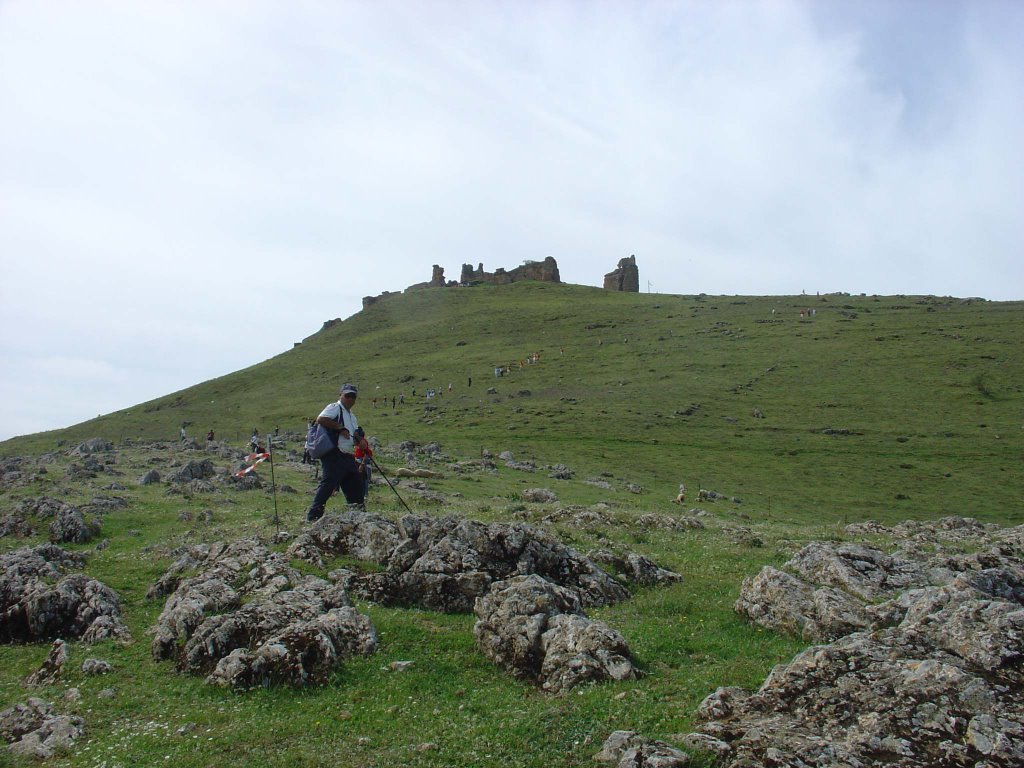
column 273, row 484
column 377, row 467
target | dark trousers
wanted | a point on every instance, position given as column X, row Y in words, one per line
column 339, row 471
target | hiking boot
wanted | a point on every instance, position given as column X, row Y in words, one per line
column 313, row 515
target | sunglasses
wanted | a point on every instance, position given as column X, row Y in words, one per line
column 350, row 394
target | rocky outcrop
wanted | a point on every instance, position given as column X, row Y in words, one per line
column 51, row 668
column 625, row 277
column 304, row 653
column 537, row 631
column 446, row 563
column 243, row 617
column 70, row 526
column 636, row 568
column 34, row 730
column 829, row 589
column 628, row 749
column 931, row 676
column 151, row 477
column 41, row 600
column 92, row 445
column 194, row 470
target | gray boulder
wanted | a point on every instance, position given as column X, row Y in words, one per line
column 784, row 603
column 243, row 617
column 93, row 445
column 71, row 527
column 194, row 470
column 305, row 653
column 40, row 600
column 34, row 730
column 446, row 563
column 150, row 478
column 539, row 496
column 51, row 668
column 628, row 749
column 636, row 568
column 537, row 631
column 937, row 680
column 96, row 667
column 864, row 572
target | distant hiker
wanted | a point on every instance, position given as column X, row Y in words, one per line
column 401, row 399
column 307, row 457
column 184, row 435
column 339, row 465
column 449, row 386
column 254, row 441
column 469, row 382
column 209, row 436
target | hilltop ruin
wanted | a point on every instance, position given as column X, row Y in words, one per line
column 626, row 277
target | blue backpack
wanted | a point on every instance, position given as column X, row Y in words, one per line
column 320, row 440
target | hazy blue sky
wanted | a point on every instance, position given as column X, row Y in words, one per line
column 187, row 188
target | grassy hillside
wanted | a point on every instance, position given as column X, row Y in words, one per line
column 874, row 407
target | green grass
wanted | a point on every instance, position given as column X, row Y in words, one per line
column 922, row 395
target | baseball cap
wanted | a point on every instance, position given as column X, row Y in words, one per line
column 346, row 388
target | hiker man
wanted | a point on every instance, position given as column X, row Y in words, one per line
column 254, row 441
column 209, row 436
column 339, row 465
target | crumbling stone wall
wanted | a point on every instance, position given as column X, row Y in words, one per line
column 544, row 271
column 626, row 277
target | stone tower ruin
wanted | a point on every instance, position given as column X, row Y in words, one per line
column 626, row 277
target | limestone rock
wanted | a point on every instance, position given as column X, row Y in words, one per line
column 536, row 630
column 194, row 470
column 34, row 730
column 96, row 667
column 446, row 563
column 70, row 527
column 628, row 749
column 150, row 478
column 93, row 445
column 51, row 668
column 539, row 496
column 243, row 617
column 39, row 600
column 934, row 676
column 305, row 653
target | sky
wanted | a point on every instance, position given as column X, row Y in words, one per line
column 187, row 188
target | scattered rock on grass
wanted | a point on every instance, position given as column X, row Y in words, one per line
column 34, row 730
column 242, row 616
column 40, row 600
column 446, row 563
column 537, row 630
